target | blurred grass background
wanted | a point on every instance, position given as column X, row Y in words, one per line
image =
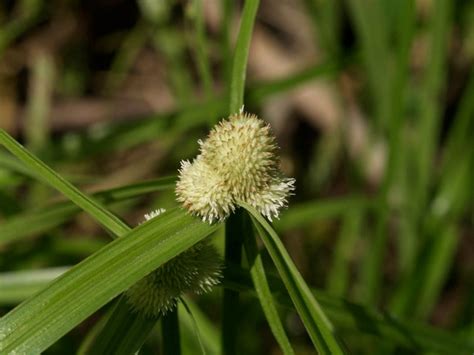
column 372, row 103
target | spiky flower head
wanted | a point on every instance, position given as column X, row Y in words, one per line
column 237, row 162
column 196, row 270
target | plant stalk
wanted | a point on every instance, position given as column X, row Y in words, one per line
column 171, row 342
column 231, row 302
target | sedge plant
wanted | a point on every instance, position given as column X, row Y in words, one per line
column 155, row 274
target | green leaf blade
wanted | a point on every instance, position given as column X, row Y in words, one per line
column 41, row 320
column 259, row 278
column 124, row 332
column 317, row 324
column 50, row 216
column 241, row 53
column 88, row 204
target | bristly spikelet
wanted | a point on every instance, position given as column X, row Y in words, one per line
column 237, row 162
column 202, row 192
column 195, row 270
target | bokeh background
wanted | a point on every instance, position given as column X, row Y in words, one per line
column 372, row 103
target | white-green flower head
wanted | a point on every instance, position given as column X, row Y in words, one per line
column 237, row 162
column 196, row 270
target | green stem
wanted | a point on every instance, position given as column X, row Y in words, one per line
column 241, row 53
column 234, row 228
column 170, row 333
column 230, row 302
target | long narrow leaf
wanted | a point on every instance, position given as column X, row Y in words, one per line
column 259, row 279
column 50, row 216
column 241, row 53
column 346, row 315
column 43, row 319
column 308, row 212
column 124, row 332
column 16, row 286
column 191, row 317
column 339, row 274
column 259, row 91
column 101, row 214
column 128, row 343
column 319, row 327
column 357, row 319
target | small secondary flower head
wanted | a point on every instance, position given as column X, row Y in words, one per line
column 237, row 162
column 195, row 270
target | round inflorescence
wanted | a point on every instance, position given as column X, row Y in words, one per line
column 237, row 162
column 195, row 270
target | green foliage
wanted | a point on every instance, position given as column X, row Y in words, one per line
column 354, row 265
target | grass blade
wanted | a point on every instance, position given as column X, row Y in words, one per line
column 418, row 292
column 124, row 332
column 37, row 126
column 339, row 274
column 192, row 318
column 259, row 279
column 308, row 212
column 367, row 15
column 430, row 105
column 16, row 286
column 317, row 324
column 193, row 325
column 201, row 48
column 89, row 339
column 41, row 320
column 346, row 315
column 9, row 163
column 49, row 176
column 463, row 125
column 241, row 53
column 259, row 91
column 357, row 319
column 436, row 269
column 370, row 275
column 50, row 216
